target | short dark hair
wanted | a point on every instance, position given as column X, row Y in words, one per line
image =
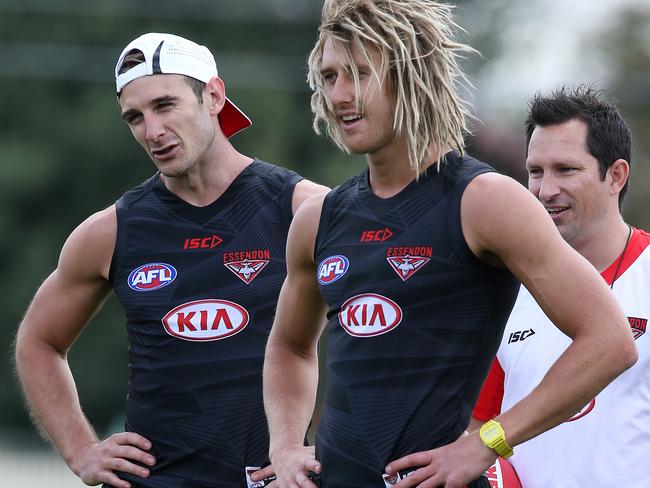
column 135, row 57
column 608, row 135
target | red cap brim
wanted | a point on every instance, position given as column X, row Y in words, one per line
column 232, row 120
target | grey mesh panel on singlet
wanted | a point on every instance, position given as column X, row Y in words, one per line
column 199, row 400
column 408, row 355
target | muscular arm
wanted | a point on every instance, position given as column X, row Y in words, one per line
column 518, row 232
column 504, row 224
column 291, row 366
column 303, row 190
column 62, row 306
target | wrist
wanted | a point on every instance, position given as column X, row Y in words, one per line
column 494, row 437
column 276, row 449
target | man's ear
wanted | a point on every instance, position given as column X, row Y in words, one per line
column 617, row 175
column 216, row 94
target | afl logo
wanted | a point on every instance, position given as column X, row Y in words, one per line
column 205, row 320
column 369, row 314
column 151, row 276
column 332, row 268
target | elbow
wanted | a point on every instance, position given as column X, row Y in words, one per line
column 628, row 355
column 623, row 353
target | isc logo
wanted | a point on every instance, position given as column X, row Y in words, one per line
column 379, row 235
column 206, row 320
column 520, row 335
column 151, row 276
column 203, row 242
column 332, row 268
column 369, row 314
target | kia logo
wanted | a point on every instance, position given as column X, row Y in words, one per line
column 369, row 314
column 206, row 320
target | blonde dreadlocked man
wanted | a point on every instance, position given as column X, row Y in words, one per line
column 416, row 262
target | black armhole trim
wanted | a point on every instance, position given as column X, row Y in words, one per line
column 122, row 206
column 279, row 175
column 286, row 198
column 323, row 222
column 121, row 239
column 459, row 235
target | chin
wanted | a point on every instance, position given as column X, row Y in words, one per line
column 171, row 171
column 360, row 149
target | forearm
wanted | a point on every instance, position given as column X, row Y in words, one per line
column 290, row 383
column 580, row 373
column 52, row 398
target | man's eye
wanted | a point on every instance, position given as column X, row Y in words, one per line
column 133, row 119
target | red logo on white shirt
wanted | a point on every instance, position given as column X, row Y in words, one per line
column 638, row 326
column 584, row 411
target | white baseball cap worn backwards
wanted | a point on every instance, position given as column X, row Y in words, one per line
column 171, row 54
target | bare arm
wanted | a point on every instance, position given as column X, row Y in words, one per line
column 291, row 366
column 474, row 424
column 303, row 190
column 62, row 306
column 505, row 225
column 569, row 290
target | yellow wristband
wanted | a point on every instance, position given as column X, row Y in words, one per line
column 494, row 437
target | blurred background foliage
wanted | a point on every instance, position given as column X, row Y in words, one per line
column 66, row 153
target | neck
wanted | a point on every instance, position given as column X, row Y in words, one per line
column 209, row 177
column 602, row 250
column 390, row 170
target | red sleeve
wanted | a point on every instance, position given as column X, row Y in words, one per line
column 489, row 400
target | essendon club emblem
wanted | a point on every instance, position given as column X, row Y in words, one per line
column 407, row 266
column 638, row 326
column 246, row 270
column 246, row 265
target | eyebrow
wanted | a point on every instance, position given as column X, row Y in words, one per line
column 163, row 99
column 327, row 69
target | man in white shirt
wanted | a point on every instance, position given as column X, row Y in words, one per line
column 578, row 166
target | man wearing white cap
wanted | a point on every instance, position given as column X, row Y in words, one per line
column 196, row 256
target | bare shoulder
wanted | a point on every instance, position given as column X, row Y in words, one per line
column 498, row 213
column 490, row 189
column 310, row 210
column 304, row 227
column 77, row 287
column 90, row 246
column 305, row 189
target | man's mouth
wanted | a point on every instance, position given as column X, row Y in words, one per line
column 556, row 211
column 350, row 119
column 163, row 152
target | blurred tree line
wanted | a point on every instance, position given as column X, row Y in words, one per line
column 67, row 154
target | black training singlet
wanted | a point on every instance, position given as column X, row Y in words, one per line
column 199, row 287
column 414, row 322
